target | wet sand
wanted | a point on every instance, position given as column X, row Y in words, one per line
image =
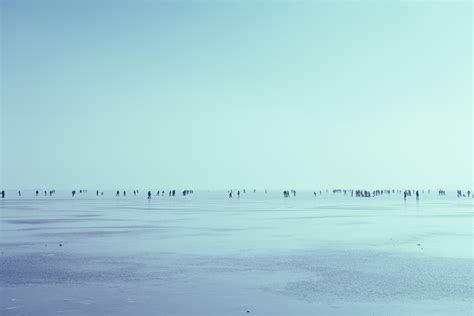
column 206, row 254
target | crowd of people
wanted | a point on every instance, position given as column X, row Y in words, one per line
column 286, row 193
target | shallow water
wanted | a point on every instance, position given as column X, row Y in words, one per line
column 205, row 254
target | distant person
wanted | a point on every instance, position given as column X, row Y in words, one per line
column 149, row 195
column 3, row 194
column 19, row 193
column 37, row 192
column 417, row 195
column 230, row 194
column 238, row 193
column 73, row 193
column 97, row 192
column 405, row 195
column 117, row 193
column 124, row 193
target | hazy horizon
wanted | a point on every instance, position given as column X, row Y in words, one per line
column 91, row 191
column 266, row 95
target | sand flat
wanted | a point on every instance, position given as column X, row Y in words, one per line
column 206, row 254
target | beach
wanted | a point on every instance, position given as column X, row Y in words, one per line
column 261, row 254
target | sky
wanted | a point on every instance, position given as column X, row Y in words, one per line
column 214, row 95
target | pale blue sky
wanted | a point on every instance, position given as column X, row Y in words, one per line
column 207, row 95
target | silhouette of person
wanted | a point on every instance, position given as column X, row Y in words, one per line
column 3, row 194
column 149, row 195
